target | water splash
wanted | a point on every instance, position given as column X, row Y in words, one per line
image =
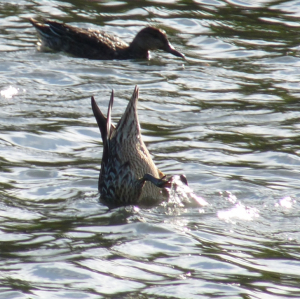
column 9, row 92
column 285, row 202
column 239, row 212
column 181, row 195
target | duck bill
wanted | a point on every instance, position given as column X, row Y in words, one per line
column 173, row 51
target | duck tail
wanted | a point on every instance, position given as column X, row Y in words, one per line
column 108, row 120
column 100, row 118
column 42, row 29
column 129, row 123
column 57, row 28
column 34, row 22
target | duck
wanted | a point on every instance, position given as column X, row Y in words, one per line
column 128, row 175
column 96, row 44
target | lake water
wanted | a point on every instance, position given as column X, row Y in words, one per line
column 228, row 118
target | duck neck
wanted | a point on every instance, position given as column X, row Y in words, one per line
column 135, row 51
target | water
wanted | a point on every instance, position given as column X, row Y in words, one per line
column 228, row 118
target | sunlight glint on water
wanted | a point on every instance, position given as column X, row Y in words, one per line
column 227, row 118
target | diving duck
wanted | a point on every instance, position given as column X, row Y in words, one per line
column 94, row 44
column 128, row 174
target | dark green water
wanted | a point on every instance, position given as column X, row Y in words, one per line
column 228, row 118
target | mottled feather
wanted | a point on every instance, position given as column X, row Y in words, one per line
column 96, row 44
column 128, row 174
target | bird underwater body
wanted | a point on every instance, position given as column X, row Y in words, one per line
column 128, row 174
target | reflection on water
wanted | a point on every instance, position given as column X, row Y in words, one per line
column 9, row 92
column 227, row 118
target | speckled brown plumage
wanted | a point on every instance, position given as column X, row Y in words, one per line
column 128, row 175
column 95, row 44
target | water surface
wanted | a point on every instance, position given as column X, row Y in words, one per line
column 227, row 117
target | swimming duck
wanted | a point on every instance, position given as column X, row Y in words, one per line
column 128, row 174
column 94, row 44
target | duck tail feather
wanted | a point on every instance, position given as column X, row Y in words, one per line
column 100, row 118
column 108, row 120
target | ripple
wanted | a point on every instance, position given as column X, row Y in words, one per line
column 226, row 117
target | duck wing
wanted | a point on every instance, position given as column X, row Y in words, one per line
column 80, row 42
column 92, row 37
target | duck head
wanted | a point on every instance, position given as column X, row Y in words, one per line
column 151, row 38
